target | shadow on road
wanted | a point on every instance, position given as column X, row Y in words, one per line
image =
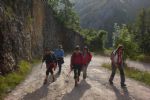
column 39, row 93
column 77, row 92
column 122, row 94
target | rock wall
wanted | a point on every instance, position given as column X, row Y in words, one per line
column 26, row 26
column 71, row 39
column 55, row 33
column 21, row 26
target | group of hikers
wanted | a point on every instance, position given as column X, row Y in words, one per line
column 79, row 63
column 52, row 59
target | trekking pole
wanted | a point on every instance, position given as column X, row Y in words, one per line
column 67, row 76
column 69, row 73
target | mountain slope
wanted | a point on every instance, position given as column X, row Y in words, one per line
column 102, row 14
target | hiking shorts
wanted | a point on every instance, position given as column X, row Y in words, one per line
column 50, row 68
column 60, row 60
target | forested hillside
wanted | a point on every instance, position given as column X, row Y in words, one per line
column 102, row 14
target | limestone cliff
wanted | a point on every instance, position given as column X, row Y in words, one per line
column 26, row 26
column 55, row 33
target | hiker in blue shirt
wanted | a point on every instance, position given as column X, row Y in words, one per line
column 59, row 54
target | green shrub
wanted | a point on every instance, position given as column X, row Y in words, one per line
column 142, row 58
column 124, row 37
column 106, row 52
column 25, row 66
column 9, row 81
column 3, row 86
column 142, row 76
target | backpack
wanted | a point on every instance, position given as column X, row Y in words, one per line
column 114, row 56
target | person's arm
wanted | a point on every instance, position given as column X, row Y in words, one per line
column 112, row 57
column 71, row 61
column 81, row 55
column 62, row 53
column 54, row 58
column 90, row 56
column 44, row 58
column 55, row 53
column 123, row 58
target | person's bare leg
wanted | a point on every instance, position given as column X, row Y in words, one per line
column 85, row 72
column 52, row 73
column 53, row 78
column 45, row 80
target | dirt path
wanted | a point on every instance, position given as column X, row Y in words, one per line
column 95, row 87
column 137, row 65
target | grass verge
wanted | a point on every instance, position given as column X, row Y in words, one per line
column 134, row 74
column 10, row 81
column 142, row 58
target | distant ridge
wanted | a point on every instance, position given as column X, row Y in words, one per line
column 102, row 14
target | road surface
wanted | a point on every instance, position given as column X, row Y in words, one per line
column 95, row 87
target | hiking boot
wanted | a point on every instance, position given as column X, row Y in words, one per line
column 84, row 76
column 45, row 81
column 110, row 82
column 76, row 82
column 78, row 79
column 59, row 72
column 53, row 79
column 123, row 85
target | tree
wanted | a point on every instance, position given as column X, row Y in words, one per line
column 53, row 4
column 115, row 33
column 65, row 13
column 96, row 40
column 142, row 31
column 126, row 39
column 69, row 16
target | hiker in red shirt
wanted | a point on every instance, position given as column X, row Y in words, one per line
column 117, row 62
column 87, row 56
column 76, row 63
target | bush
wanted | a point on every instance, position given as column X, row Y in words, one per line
column 122, row 36
column 143, row 58
column 106, row 52
column 134, row 74
column 9, row 81
column 95, row 40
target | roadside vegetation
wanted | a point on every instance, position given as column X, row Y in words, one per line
column 135, row 37
column 11, row 80
column 65, row 14
column 134, row 74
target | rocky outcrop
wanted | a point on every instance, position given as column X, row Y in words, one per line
column 73, row 39
column 15, row 30
column 26, row 26
column 55, row 33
